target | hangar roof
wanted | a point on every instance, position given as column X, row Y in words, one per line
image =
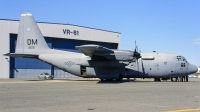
column 68, row 31
column 66, row 24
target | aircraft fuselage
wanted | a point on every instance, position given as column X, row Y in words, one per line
column 150, row 65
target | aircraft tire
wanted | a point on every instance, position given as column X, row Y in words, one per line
column 110, row 80
column 157, row 80
column 174, row 79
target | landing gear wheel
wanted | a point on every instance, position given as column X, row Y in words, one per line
column 174, row 79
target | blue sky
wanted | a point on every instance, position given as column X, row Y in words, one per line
column 171, row 26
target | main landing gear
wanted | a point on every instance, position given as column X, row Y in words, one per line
column 157, row 80
column 111, row 80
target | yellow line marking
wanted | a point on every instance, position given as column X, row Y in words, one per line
column 184, row 110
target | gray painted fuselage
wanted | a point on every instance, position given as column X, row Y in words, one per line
column 161, row 65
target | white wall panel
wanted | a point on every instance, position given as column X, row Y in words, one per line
column 56, row 30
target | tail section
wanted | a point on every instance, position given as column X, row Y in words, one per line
column 30, row 39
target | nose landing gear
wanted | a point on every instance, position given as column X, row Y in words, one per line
column 179, row 79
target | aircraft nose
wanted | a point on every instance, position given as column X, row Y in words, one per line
column 192, row 69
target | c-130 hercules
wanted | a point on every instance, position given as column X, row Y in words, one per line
column 97, row 61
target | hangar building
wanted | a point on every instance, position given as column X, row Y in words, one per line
column 57, row 36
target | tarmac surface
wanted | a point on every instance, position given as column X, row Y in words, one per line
column 82, row 95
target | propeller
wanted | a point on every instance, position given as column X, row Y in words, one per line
column 143, row 70
column 137, row 55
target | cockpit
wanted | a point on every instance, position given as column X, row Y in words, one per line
column 181, row 58
column 190, row 67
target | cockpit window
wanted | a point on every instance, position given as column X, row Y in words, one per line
column 182, row 64
column 181, row 58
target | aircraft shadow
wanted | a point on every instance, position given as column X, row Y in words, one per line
column 101, row 82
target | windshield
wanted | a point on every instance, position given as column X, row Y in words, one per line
column 181, row 58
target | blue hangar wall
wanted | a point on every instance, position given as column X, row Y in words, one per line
column 30, row 68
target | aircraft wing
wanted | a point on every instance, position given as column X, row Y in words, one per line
column 97, row 51
column 91, row 50
column 14, row 55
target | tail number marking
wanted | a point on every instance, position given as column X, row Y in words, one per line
column 31, row 43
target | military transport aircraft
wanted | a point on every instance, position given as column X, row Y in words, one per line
column 97, row 61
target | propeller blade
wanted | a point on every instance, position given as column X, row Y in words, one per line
column 136, row 54
column 143, row 70
column 137, row 49
column 135, row 43
column 138, row 66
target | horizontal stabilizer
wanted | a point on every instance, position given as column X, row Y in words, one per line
column 14, row 55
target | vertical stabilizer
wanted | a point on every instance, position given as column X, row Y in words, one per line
column 30, row 39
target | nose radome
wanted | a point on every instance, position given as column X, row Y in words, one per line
column 192, row 69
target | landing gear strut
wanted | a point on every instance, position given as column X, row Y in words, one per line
column 186, row 77
column 157, row 80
